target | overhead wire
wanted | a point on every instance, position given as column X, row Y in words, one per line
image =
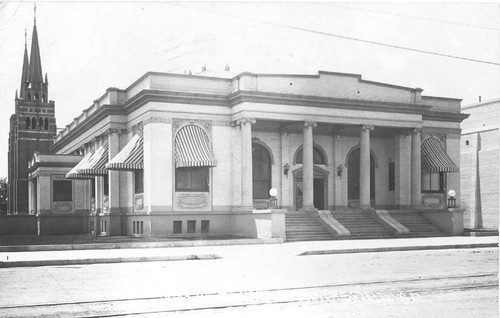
column 337, row 35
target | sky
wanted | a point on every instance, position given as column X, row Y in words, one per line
column 87, row 47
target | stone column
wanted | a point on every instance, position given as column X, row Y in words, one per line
column 246, row 163
column 364, row 167
column 308, row 167
column 416, row 169
column 114, row 226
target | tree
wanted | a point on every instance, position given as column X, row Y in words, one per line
column 3, row 195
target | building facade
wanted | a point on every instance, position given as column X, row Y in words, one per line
column 480, row 155
column 32, row 126
column 195, row 155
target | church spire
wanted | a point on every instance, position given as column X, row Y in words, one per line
column 35, row 73
column 25, row 74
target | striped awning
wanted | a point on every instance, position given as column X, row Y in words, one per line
column 435, row 158
column 192, row 148
column 131, row 157
column 73, row 173
column 96, row 166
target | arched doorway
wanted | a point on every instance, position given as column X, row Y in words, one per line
column 353, row 177
column 261, row 175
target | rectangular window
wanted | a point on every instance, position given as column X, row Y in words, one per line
column 191, row 226
column 139, row 181
column 392, row 176
column 106, row 185
column 62, row 190
column 205, row 226
column 432, row 181
column 133, row 225
column 92, row 185
column 177, row 227
column 142, row 227
column 193, row 179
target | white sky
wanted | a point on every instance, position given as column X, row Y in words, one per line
column 87, row 47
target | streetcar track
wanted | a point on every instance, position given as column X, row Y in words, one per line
column 280, row 302
column 243, row 292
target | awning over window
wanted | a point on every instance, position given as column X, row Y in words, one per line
column 96, row 166
column 435, row 158
column 130, row 157
column 192, row 148
column 73, row 173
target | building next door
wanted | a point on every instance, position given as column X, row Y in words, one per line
column 353, row 177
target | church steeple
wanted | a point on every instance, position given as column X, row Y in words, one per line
column 36, row 75
column 35, row 89
column 25, row 74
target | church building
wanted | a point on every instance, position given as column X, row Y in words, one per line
column 32, row 126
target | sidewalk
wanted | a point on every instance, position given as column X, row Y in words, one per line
column 226, row 249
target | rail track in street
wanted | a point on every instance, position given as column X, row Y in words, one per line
column 409, row 290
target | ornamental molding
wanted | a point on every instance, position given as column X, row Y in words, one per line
column 368, row 127
column 310, row 124
column 192, row 201
column 246, row 120
column 179, row 123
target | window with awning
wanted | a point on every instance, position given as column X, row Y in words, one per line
column 73, row 173
column 92, row 166
column 435, row 158
column 131, row 157
column 192, row 148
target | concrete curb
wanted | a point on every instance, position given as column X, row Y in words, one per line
column 126, row 245
column 88, row 261
column 398, row 249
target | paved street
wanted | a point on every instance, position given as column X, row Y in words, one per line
column 259, row 280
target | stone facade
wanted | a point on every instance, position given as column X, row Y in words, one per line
column 309, row 128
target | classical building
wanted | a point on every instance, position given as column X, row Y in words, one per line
column 32, row 126
column 197, row 155
column 479, row 165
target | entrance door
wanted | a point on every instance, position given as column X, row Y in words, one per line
column 318, row 196
column 319, row 193
column 353, row 176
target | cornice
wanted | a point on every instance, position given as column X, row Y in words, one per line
column 94, row 118
column 445, row 116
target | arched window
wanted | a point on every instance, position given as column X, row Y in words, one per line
column 318, row 156
column 36, row 96
column 46, row 124
column 261, row 169
column 44, row 98
column 29, row 97
column 40, row 123
column 33, row 123
column 28, row 123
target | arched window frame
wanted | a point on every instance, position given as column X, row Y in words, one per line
column 33, row 123
column 256, row 194
column 46, row 124
column 317, row 147
column 28, row 123
column 40, row 123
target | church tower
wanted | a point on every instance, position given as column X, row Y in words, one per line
column 32, row 126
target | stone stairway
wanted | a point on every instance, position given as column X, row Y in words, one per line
column 418, row 225
column 300, row 227
column 361, row 224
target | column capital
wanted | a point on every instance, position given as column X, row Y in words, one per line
column 246, row 120
column 310, row 124
column 416, row 131
column 367, row 127
column 113, row 131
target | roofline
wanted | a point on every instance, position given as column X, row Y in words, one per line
column 443, row 98
column 491, row 101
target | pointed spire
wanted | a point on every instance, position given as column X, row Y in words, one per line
column 35, row 74
column 25, row 73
